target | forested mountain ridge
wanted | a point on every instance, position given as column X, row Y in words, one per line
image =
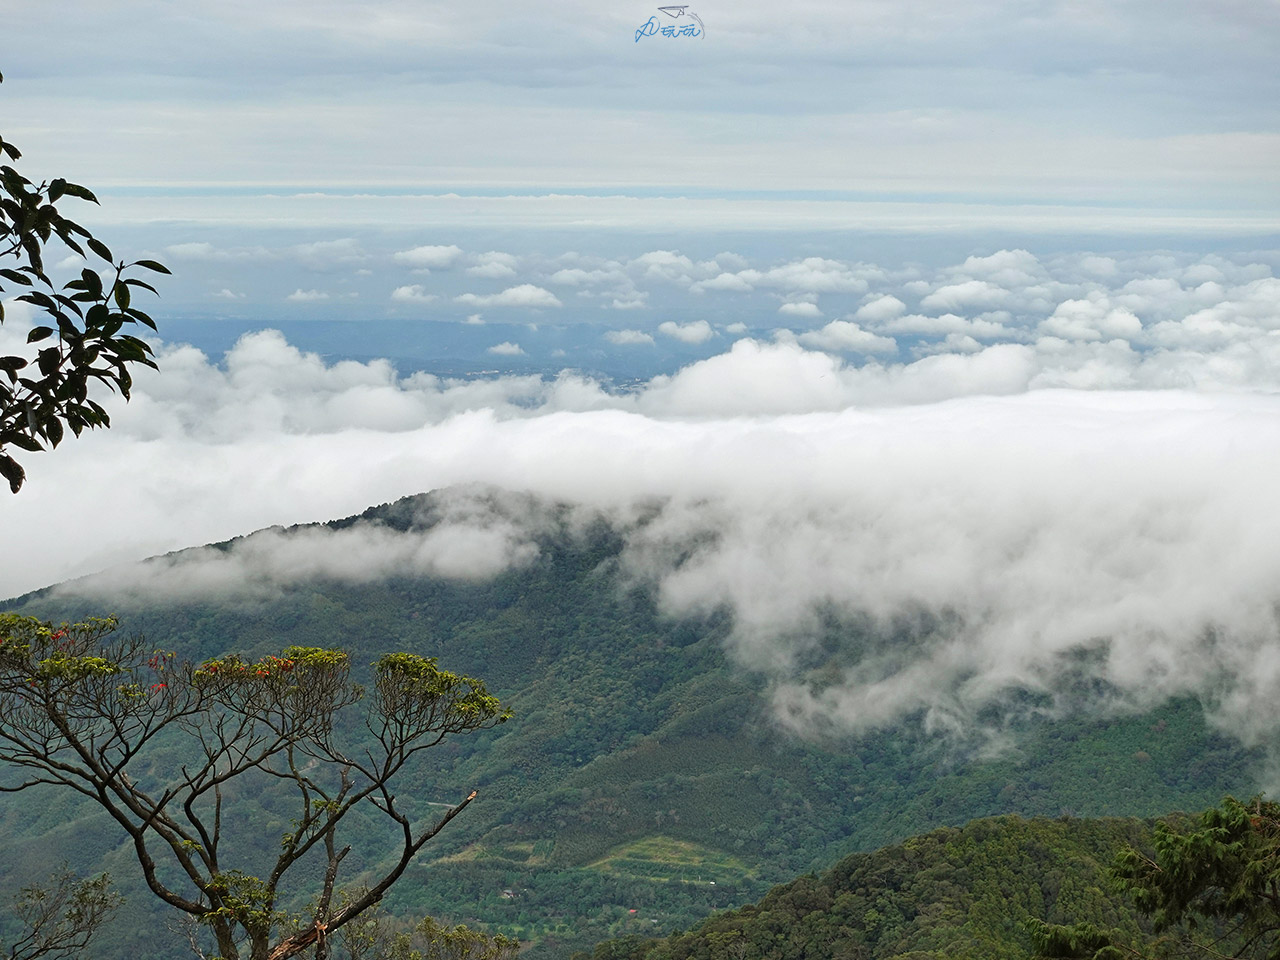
column 643, row 771
column 950, row 894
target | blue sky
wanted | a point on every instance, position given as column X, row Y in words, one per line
column 971, row 306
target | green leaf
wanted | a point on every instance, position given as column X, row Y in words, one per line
column 32, row 246
column 100, row 248
column 152, row 265
column 121, row 294
column 11, row 471
column 26, row 443
column 75, row 190
column 142, row 318
column 57, row 188
column 92, row 283
column 144, row 285
column 16, row 277
column 39, row 333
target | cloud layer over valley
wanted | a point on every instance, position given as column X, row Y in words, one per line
column 929, row 531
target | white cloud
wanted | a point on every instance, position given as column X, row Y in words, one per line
column 724, row 281
column 506, row 349
column 429, row 257
column 495, row 265
column 225, row 294
column 414, row 293
column 881, row 308
column 1121, row 526
column 1092, row 319
column 842, row 335
column 628, row 337
column 812, row 275
column 524, row 295
column 474, row 318
column 665, row 265
column 576, row 276
column 307, row 296
column 1117, row 526
column 325, row 254
column 697, row 331
column 947, row 323
column 800, row 309
column 968, row 293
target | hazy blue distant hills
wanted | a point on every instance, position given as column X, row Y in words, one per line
column 642, row 772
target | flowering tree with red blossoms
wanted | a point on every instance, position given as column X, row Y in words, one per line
column 85, row 708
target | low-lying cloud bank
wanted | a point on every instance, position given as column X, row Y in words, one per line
column 986, row 530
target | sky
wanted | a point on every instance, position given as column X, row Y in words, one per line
column 965, row 308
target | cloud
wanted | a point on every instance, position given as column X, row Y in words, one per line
column 635, row 301
column 969, row 293
column 524, row 295
column 429, row 257
column 326, row 254
column 697, row 331
column 725, row 281
column 414, row 293
column 458, row 536
column 576, row 276
column 1112, row 546
column 628, row 338
column 881, row 308
column 665, row 265
column 474, row 319
column 1092, row 319
column 225, row 294
column 506, row 349
column 843, row 335
column 1119, row 543
column 495, row 265
column 307, row 296
column 811, row 275
column 801, row 309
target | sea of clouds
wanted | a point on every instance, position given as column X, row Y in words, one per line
column 1069, row 481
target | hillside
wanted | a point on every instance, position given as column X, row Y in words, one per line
column 951, row 894
column 643, row 771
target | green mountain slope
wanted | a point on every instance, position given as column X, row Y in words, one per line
column 952, row 894
column 643, row 771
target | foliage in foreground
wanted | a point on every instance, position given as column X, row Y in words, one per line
column 1211, row 891
column 47, row 391
column 84, row 708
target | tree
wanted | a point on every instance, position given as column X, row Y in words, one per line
column 46, row 393
column 1211, row 891
column 375, row 938
column 105, row 715
column 60, row 918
